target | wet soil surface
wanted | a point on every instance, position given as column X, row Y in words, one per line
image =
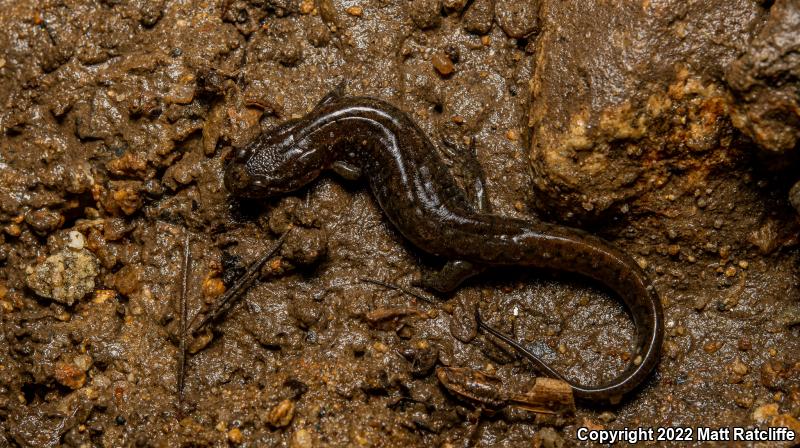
column 667, row 128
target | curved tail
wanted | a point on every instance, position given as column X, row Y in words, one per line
column 606, row 264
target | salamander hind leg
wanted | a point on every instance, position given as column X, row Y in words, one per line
column 466, row 167
column 455, row 272
column 336, row 93
column 450, row 277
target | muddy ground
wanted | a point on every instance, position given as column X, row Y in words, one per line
column 668, row 127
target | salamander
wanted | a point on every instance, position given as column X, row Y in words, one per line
column 366, row 137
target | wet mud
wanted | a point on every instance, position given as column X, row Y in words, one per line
column 667, row 128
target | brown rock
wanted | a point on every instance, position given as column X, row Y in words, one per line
column 478, row 18
column 794, row 196
column 442, row 63
column 281, row 414
column 454, row 5
column 765, row 81
column 623, row 93
column 44, row 221
column 425, row 13
column 518, row 19
column 64, row 277
column 69, row 375
column 305, row 246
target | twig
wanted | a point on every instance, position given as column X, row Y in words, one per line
column 238, row 288
column 186, row 268
column 408, row 291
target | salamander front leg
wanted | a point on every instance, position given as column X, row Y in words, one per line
column 346, row 170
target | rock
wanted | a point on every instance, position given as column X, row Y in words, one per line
column 281, row 43
column 76, row 240
column 151, row 11
column 624, row 94
column 517, row 19
column 69, row 375
column 765, row 82
column 302, row 438
column 281, row 414
column 235, row 436
column 765, row 238
column 794, row 196
column 454, row 5
column 765, row 412
column 304, row 246
column 425, row 13
column 122, row 198
column 548, row 438
column 478, row 18
column 305, row 311
column 64, row 277
column 442, row 63
column 44, row 221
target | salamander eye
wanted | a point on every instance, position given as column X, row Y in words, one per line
column 236, row 178
column 240, row 153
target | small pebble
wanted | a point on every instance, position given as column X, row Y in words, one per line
column 607, row 417
column 744, row 344
column 479, row 18
column 13, row 229
column 302, row 438
column 83, row 362
column 712, row 346
column 443, row 64
column 765, row 412
column 69, row 375
column 76, row 240
column 517, row 18
column 43, row 220
column 281, row 414
column 213, row 287
column 235, row 436
column 306, row 6
column 548, row 438
column 425, row 13
column 700, row 303
column 454, row 5
column 794, row 196
column 738, row 367
column 765, row 238
column 64, row 277
column 724, row 252
column 355, row 11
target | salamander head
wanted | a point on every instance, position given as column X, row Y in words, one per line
column 275, row 163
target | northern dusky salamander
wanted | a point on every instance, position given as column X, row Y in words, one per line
column 357, row 136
